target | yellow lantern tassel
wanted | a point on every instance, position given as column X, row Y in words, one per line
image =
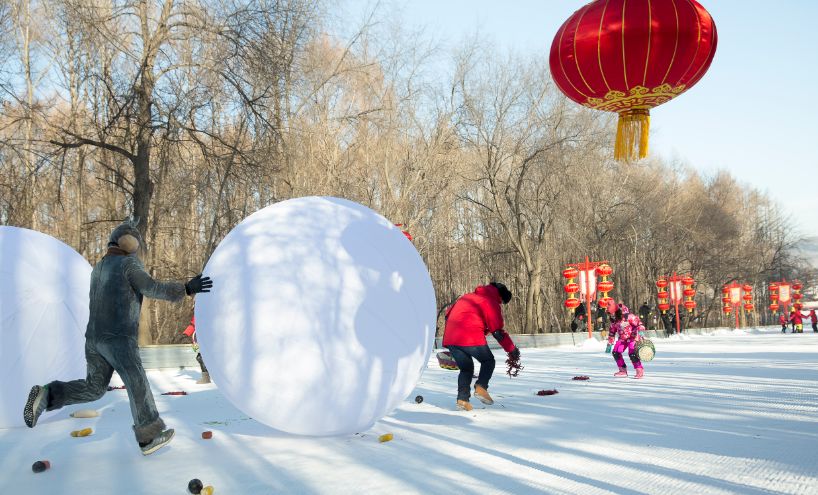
column 632, row 130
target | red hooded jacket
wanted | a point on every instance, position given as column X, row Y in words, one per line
column 796, row 318
column 812, row 316
column 473, row 316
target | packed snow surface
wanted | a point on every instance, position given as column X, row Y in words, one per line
column 729, row 412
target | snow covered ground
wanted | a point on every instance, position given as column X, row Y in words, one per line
column 731, row 412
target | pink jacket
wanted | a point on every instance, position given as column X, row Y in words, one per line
column 628, row 329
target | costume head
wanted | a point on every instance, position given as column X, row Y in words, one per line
column 505, row 294
column 126, row 237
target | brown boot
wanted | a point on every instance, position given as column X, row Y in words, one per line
column 483, row 395
column 464, row 405
column 204, row 379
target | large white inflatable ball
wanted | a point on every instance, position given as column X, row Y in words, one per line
column 44, row 288
column 321, row 319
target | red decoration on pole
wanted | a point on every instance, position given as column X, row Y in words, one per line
column 784, row 293
column 734, row 294
column 628, row 57
column 588, row 286
column 679, row 287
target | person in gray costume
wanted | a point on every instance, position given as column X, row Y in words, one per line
column 118, row 284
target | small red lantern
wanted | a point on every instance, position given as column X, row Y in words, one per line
column 689, row 292
column 797, row 306
column 726, row 310
column 605, row 286
column 747, row 297
column 689, row 305
column 663, row 295
column 604, row 270
column 773, row 297
column 797, row 286
column 725, row 299
column 688, row 280
column 572, row 287
column 773, row 287
column 572, row 303
column 749, row 306
column 570, row 272
column 664, row 306
column 605, row 301
column 661, row 283
column 797, row 296
column 725, row 290
column 748, row 288
column 774, row 307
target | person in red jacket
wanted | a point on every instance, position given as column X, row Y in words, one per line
column 797, row 319
column 468, row 321
column 814, row 319
column 782, row 320
column 190, row 331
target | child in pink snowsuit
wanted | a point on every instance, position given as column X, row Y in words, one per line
column 628, row 328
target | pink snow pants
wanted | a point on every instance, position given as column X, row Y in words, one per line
column 619, row 348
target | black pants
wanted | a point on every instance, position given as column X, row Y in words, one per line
column 103, row 357
column 815, row 327
column 463, row 356
column 201, row 362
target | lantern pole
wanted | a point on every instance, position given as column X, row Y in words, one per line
column 588, row 300
column 678, row 297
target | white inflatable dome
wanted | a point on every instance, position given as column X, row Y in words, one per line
column 44, row 288
column 321, row 319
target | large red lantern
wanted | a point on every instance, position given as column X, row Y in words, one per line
column 628, row 57
column 570, row 272
column 661, row 283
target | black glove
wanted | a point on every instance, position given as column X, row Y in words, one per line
column 515, row 354
column 198, row 284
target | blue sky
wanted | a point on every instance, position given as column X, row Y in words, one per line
column 754, row 113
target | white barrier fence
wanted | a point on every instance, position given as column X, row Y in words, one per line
column 181, row 356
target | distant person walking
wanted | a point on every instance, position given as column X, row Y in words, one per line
column 814, row 319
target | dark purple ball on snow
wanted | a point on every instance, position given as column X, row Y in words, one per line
column 419, row 399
